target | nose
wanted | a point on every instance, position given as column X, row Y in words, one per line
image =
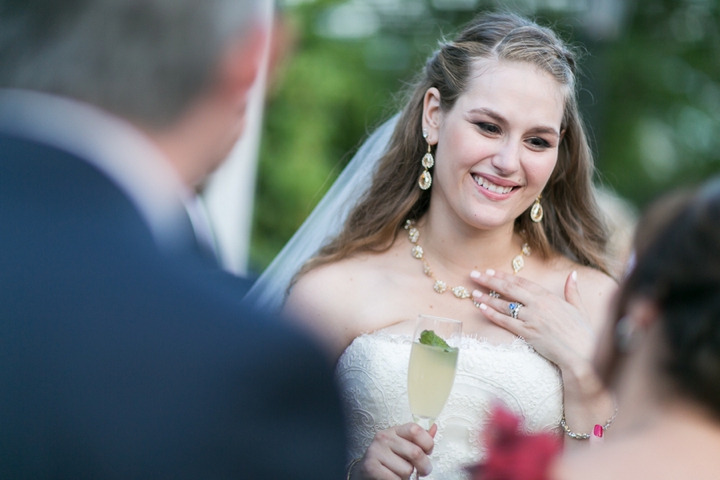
column 507, row 158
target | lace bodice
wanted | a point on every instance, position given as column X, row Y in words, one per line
column 372, row 376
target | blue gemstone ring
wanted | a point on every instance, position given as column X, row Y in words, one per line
column 515, row 308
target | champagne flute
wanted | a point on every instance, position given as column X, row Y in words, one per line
column 431, row 372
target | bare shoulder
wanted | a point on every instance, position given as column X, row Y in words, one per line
column 593, row 283
column 329, row 300
column 597, row 290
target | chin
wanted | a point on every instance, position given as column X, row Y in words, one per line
column 488, row 220
column 485, row 223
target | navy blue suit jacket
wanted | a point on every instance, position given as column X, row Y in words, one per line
column 120, row 361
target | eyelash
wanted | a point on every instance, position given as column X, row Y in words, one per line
column 541, row 143
column 489, row 127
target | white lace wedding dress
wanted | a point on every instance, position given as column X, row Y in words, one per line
column 372, row 377
column 372, row 372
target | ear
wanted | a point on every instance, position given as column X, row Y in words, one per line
column 640, row 316
column 282, row 40
column 240, row 64
column 432, row 115
column 643, row 313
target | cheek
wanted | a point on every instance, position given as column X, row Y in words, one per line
column 539, row 170
column 456, row 136
column 457, row 141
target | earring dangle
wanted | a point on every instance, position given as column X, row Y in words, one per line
column 425, row 180
column 536, row 212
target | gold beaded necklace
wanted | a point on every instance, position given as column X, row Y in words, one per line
column 440, row 286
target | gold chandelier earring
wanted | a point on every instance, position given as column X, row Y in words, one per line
column 536, row 212
column 428, row 161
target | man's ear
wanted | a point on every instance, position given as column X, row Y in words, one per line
column 432, row 115
column 241, row 62
column 282, row 41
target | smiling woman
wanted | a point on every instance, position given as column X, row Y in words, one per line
column 488, row 164
column 497, row 146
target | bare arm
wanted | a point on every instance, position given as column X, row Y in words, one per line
column 320, row 302
column 331, row 304
column 563, row 330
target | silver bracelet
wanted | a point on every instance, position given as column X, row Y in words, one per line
column 584, row 436
column 351, row 466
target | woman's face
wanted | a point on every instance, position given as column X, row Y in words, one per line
column 498, row 145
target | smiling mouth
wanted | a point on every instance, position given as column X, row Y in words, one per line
column 488, row 185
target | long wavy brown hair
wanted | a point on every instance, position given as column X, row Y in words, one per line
column 572, row 223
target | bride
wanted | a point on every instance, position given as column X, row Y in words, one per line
column 476, row 203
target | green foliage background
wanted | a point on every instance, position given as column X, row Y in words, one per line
column 650, row 95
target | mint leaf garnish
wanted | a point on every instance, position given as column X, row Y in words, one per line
column 428, row 337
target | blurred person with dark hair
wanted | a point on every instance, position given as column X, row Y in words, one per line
column 123, row 352
column 662, row 353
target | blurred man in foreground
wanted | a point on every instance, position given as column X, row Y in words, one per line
column 122, row 354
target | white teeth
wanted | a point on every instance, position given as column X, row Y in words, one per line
column 483, row 182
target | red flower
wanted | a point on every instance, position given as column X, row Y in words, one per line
column 513, row 454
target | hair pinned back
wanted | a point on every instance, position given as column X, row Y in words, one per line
column 572, row 225
column 678, row 269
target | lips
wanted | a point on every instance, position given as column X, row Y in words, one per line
column 492, row 187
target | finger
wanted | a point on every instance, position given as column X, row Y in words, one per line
column 510, row 324
column 408, row 457
column 416, row 449
column 417, row 435
column 507, row 287
column 385, row 457
column 498, row 304
column 597, row 437
column 522, row 282
column 395, row 467
column 376, row 470
column 433, row 430
column 572, row 294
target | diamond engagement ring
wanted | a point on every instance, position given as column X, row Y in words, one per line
column 515, row 308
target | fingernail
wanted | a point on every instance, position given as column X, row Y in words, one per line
column 477, row 294
column 490, row 272
column 475, row 274
column 483, row 306
column 574, row 276
column 598, row 431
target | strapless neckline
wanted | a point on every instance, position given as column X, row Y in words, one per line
column 372, row 377
column 467, row 340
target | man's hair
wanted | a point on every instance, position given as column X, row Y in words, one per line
column 145, row 60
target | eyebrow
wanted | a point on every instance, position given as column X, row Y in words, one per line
column 502, row 120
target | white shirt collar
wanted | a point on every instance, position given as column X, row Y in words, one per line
column 111, row 144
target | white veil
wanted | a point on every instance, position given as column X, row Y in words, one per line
column 324, row 223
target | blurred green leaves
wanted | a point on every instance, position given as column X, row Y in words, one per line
column 661, row 122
